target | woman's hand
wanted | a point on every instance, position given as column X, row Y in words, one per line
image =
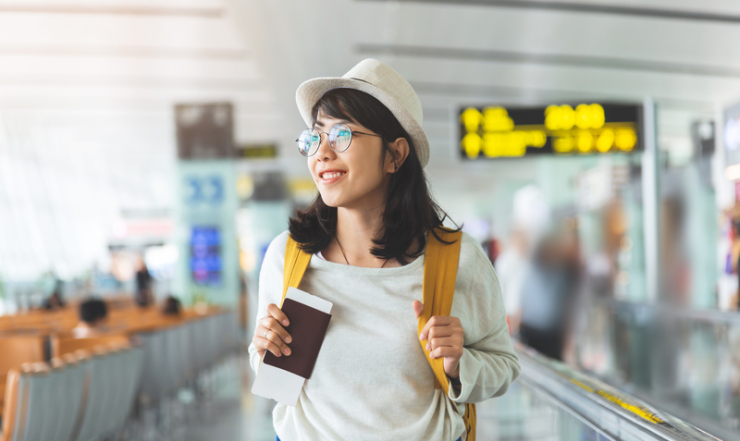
column 270, row 334
column 444, row 337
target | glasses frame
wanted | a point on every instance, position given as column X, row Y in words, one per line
column 351, row 134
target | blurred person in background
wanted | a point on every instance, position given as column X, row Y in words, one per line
column 243, row 301
column 549, row 292
column 93, row 313
column 603, row 262
column 55, row 300
column 144, row 296
column 530, row 218
column 172, row 306
column 511, row 268
column 675, row 268
column 735, row 256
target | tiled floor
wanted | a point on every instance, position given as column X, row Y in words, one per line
column 233, row 414
column 226, row 411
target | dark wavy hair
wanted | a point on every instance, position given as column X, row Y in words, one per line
column 410, row 212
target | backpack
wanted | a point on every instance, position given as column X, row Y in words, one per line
column 440, row 271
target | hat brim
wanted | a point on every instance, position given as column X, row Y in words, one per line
column 311, row 91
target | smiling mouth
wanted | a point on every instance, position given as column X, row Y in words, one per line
column 329, row 176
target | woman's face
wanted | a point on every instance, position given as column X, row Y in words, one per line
column 355, row 178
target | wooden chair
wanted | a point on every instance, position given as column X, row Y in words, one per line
column 14, row 351
column 61, row 346
column 11, row 405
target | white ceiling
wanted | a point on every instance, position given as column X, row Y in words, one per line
column 458, row 54
column 139, row 57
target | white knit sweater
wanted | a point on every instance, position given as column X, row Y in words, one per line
column 371, row 380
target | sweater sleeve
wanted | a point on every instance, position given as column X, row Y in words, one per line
column 270, row 286
column 488, row 364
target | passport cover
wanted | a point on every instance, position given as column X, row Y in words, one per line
column 307, row 329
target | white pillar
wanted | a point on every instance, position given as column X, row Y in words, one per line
column 651, row 200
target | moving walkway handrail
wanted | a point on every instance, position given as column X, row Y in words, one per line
column 617, row 414
column 648, row 311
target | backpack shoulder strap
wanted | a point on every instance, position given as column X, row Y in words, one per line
column 296, row 262
column 440, row 271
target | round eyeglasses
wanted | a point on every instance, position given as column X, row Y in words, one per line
column 340, row 137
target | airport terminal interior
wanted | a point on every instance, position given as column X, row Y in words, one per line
column 152, row 150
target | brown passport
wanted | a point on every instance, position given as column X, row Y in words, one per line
column 307, row 329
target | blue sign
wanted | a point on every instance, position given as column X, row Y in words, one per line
column 206, row 263
column 204, row 189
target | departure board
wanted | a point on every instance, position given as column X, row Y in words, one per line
column 557, row 129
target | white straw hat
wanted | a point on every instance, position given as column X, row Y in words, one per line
column 382, row 82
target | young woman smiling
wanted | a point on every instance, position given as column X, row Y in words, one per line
column 367, row 231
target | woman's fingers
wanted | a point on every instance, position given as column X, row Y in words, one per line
column 267, row 344
column 270, row 333
column 445, row 339
column 266, row 339
column 437, row 321
column 278, row 341
column 274, row 326
column 275, row 312
column 438, row 342
column 454, row 352
column 444, row 331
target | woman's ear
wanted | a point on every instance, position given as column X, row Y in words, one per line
column 399, row 152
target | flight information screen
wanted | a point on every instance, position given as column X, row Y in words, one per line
column 205, row 255
column 557, row 129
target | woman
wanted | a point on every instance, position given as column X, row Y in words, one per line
column 367, row 232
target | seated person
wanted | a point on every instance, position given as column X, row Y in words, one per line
column 172, row 306
column 54, row 301
column 144, row 296
column 93, row 313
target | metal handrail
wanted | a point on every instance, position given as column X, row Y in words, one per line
column 616, row 414
column 705, row 315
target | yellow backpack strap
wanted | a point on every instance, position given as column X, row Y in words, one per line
column 440, row 271
column 471, row 421
column 296, row 262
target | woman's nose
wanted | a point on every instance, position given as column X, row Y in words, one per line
column 325, row 152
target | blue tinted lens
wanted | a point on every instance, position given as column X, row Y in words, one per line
column 340, row 137
column 308, row 142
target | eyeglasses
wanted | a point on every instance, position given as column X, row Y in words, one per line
column 340, row 137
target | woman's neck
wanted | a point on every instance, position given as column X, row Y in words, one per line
column 356, row 229
column 355, row 232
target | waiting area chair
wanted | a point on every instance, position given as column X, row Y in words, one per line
column 87, row 391
column 83, row 397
